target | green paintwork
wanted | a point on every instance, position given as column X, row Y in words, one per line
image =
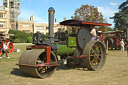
column 64, row 50
column 68, row 31
column 71, row 42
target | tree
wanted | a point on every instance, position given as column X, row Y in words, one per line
column 121, row 17
column 88, row 13
column 124, row 6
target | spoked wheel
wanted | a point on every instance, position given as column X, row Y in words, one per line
column 96, row 55
column 32, row 58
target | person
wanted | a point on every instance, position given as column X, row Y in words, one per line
column 4, row 49
column 8, row 42
column 101, row 38
column 93, row 32
column 122, row 45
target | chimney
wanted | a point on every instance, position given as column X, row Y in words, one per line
column 55, row 20
column 32, row 18
column 65, row 18
column 51, row 12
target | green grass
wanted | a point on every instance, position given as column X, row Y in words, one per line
column 15, row 55
column 115, row 72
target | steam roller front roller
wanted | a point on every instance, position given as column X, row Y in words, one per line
column 30, row 60
column 96, row 55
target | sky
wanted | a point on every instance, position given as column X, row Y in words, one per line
column 64, row 8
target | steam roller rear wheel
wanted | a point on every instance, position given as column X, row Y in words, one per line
column 96, row 55
column 34, row 57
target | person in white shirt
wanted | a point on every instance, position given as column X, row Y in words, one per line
column 4, row 49
column 93, row 32
column 122, row 45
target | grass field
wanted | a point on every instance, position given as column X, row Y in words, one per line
column 115, row 72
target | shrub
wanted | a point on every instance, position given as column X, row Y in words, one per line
column 23, row 40
column 22, row 36
column 29, row 39
column 16, row 40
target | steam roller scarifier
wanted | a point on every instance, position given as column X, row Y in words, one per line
column 76, row 48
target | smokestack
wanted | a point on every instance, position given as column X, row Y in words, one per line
column 55, row 20
column 51, row 12
column 65, row 18
column 32, row 18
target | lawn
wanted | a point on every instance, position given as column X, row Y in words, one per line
column 115, row 72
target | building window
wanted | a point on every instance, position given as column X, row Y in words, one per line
column 1, row 15
column 1, row 25
column 54, row 28
column 39, row 28
column 25, row 25
column 47, row 27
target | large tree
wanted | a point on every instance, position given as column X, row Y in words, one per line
column 88, row 13
column 121, row 17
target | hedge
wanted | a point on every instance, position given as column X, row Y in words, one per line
column 20, row 37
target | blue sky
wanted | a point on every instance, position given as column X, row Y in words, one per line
column 64, row 8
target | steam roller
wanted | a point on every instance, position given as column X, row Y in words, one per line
column 75, row 49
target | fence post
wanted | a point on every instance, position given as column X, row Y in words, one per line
column 127, row 50
column 107, row 48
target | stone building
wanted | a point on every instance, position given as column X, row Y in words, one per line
column 25, row 26
column 4, row 22
column 8, row 16
column 31, row 26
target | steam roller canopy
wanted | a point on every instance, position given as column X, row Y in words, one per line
column 31, row 58
column 83, row 37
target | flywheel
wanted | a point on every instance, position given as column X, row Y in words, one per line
column 83, row 36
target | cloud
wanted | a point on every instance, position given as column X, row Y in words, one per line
column 107, row 13
column 38, row 19
column 25, row 14
column 113, row 4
